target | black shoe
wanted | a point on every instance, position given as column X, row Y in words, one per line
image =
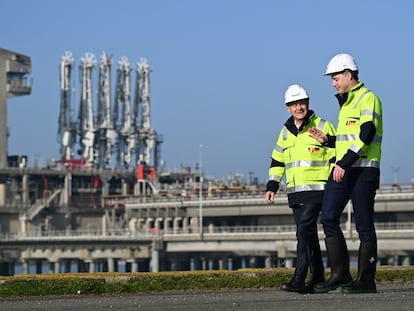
column 295, row 287
column 312, row 284
column 360, row 288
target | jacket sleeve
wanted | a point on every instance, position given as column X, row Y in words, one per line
column 277, row 165
column 330, row 132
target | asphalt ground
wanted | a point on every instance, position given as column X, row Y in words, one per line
column 389, row 297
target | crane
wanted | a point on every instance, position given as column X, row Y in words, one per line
column 106, row 135
column 146, row 135
column 86, row 124
column 66, row 127
column 124, row 123
column 148, row 140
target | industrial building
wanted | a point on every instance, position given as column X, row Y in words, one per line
column 107, row 205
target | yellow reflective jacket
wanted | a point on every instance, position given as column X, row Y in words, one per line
column 305, row 162
column 361, row 106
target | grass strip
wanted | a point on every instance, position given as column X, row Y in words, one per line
column 155, row 282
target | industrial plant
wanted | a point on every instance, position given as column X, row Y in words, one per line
column 108, row 205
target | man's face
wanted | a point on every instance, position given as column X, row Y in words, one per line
column 298, row 109
column 342, row 81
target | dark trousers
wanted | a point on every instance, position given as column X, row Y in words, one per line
column 359, row 186
column 308, row 249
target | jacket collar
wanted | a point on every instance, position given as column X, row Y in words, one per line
column 342, row 98
column 290, row 123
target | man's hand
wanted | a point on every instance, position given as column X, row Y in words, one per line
column 338, row 174
column 269, row 197
column 318, row 135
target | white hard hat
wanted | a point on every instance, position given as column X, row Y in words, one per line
column 295, row 92
column 341, row 62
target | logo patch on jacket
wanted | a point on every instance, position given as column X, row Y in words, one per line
column 313, row 149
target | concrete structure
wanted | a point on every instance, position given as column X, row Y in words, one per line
column 139, row 233
column 15, row 69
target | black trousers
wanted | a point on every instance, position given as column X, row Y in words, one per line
column 308, row 249
column 359, row 186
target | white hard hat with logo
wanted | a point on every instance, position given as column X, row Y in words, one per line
column 295, row 92
column 341, row 62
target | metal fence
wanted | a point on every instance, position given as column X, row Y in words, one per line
column 145, row 235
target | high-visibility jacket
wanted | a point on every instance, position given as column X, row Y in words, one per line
column 301, row 159
column 361, row 106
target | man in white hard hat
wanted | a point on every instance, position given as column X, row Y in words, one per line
column 355, row 177
column 306, row 164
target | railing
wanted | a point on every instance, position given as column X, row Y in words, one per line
column 51, row 235
column 122, row 200
column 257, row 193
column 146, row 235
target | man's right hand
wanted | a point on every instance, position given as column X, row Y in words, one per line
column 269, row 197
column 338, row 174
column 318, row 135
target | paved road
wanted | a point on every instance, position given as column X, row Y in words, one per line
column 389, row 298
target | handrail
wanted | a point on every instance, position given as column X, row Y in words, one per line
column 177, row 197
column 148, row 235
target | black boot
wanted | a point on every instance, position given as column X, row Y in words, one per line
column 367, row 266
column 296, row 285
column 339, row 260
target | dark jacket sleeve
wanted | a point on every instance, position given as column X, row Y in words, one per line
column 272, row 185
column 330, row 143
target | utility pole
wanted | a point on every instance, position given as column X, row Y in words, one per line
column 201, row 190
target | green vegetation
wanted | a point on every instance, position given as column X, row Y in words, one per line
column 142, row 282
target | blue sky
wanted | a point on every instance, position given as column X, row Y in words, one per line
column 220, row 69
